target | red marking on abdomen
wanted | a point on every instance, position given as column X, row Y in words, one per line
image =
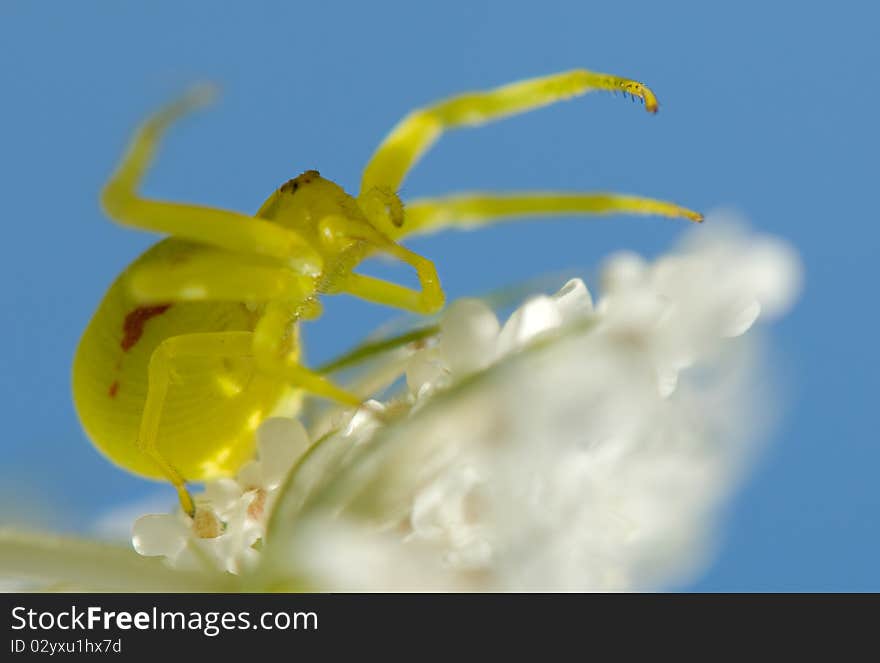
column 113, row 389
column 133, row 326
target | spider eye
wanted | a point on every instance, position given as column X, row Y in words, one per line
column 305, row 178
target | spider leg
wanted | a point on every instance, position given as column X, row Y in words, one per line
column 429, row 299
column 210, row 275
column 217, row 344
column 470, row 210
column 389, row 294
column 215, row 227
column 277, row 352
column 207, row 274
column 419, row 130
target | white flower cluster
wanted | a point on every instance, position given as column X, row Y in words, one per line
column 578, row 446
column 231, row 513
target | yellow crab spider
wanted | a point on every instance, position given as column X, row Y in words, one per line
column 197, row 341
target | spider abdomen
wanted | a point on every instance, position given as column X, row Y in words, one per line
column 213, row 405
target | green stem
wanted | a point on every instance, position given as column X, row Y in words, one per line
column 369, row 350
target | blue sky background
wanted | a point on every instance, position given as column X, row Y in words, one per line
column 766, row 107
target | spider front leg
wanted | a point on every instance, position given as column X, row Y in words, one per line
column 199, row 273
column 420, row 129
column 468, row 210
column 215, row 227
column 426, row 301
column 211, row 275
column 217, row 345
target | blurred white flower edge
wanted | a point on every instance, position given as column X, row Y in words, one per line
column 578, row 446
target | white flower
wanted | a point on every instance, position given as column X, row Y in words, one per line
column 573, row 447
column 231, row 514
